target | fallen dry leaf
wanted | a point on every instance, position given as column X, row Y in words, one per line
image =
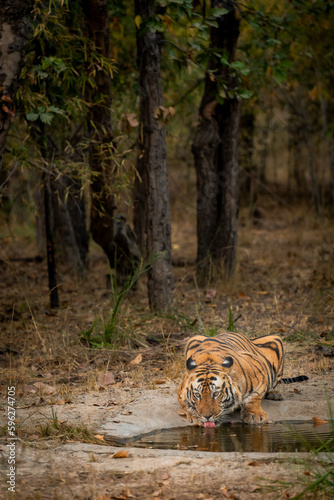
column 7, row 110
column 107, row 378
column 253, row 488
column 225, row 493
column 99, row 436
column 127, row 493
column 33, row 437
column 29, row 388
column 126, row 413
column 138, row 359
column 120, row 454
column 47, row 389
column 60, row 402
column 254, row 463
column 159, row 381
column 319, row 421
column 6, row 98
column 211, row 294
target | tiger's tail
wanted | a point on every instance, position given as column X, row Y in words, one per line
column 291, row 380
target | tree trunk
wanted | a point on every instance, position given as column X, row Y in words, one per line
column 331, row 176
column 247, row 168
column 139, row 205
column 53, row 289
column 69, row 215
column 101, row 133
column 15, row 32
column 152, row 164
column 215, row 155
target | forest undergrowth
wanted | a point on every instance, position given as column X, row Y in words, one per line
column 104, row 337
column 283, row 284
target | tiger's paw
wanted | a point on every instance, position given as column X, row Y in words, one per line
column 275, row 395
column 260, row 417
column 195, row 421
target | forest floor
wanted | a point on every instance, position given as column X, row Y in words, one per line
column 67, row 384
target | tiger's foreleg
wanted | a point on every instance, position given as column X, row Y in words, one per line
column 182, row 393
column 251, row 412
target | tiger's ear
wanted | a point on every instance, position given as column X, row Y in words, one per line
column 228, row 362
column 191, row 363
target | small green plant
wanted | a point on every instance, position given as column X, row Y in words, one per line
column 320, row 471
column 300, row 336
column 116, row 330
column 212, row 331
column 181, row 320
column 54, row 419
column 56, row 429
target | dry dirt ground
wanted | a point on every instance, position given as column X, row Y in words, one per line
column 66, row 390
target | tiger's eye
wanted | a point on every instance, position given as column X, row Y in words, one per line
column 216, row 394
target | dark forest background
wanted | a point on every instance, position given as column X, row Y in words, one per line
column 115, row 113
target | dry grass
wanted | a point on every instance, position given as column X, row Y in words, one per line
column 283, row 284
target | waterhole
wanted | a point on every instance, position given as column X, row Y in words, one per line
column 275, row 437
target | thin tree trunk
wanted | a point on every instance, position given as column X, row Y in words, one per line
column 101, row 133
column 225, row 244
column 152, row 164
column 139, row 205
column 15, row 32
column 247, row 168
column 331, row 175
column 215, row 155
column 53, row 290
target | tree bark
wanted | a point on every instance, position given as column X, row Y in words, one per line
column 152, row 164
column 101, row 133
column 247, row 168
column 53, row 289
column 15, row 32
column 215, row 155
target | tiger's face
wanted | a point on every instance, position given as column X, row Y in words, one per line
column 211, row 395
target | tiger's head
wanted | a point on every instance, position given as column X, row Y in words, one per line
column 211, row 393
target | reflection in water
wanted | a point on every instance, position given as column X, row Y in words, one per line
column 277, row 437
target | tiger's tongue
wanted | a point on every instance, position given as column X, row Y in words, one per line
column 208, row 425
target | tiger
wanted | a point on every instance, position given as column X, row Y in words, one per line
column 228, row 372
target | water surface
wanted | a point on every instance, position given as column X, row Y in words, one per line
column 275, row 437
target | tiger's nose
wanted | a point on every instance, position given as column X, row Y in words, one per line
column 207, row 415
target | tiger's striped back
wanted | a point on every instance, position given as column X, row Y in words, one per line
column 230, row 371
